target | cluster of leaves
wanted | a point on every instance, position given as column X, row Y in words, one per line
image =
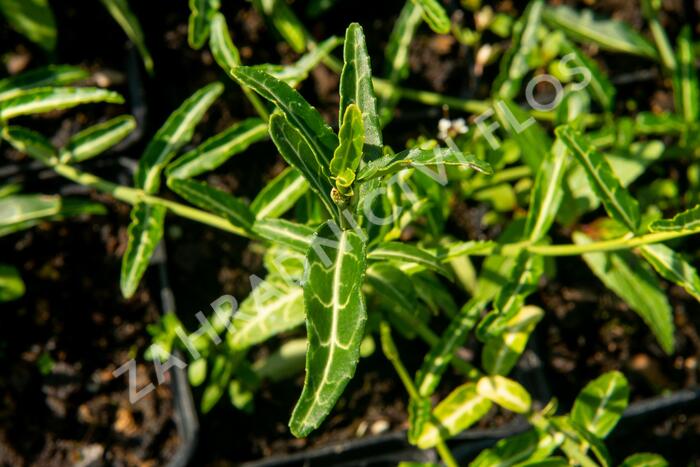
column 331, row 225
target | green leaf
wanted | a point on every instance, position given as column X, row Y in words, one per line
column 521, row 449
column 96, row 139
column 144, row 232
column 280, row 194
column 272, row 307
column 686, row 220
column 11, row 284
column 644, row 459
column 435, row 15
column 336, row 315
column 356, row 88
column 173, row 135
column 19, row 212
column 599, row 86
column 298, row 71
column 502, row 352
column 222, row 47
column 611, row 35
column 295, row 149
column 628, row 277
column 504, row 392
column 197, row 372
column 529, row 135
column 393, row 292
column 396, row 54
column 685, row 79
column 421, row 159
column 617, row 201
column 290, row 234
column 461, row 409
column 211, row 199
column 406, row 253
column 523, row 281
column 285, row 22
column 672, row 267
column 31, row 143
column 201, row 13
column 218, row 149
column 122, row 14
column 547, row 192
column 41, row 100
column 440, row 355
column 52, row 75
column 578, row 441
column 601, row 403
column 33, row 19
column 627, row 166
column 300, row 114
column 285, row 362
column 348, row 154
column 664, row 123
column 514, row 64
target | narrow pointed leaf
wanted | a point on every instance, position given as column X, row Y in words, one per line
column 280, row 194
column 601, row 403
column 514, row 65
column 211, row 199
column 272, row 307
column 97, row 139
column 685, row 78
column 632, row 281
column 295, row 149
column 617, row 200
column 285, row 22
column 122, row 14
column 173, row 135
column 298, row 237
column 33, row 19
column 20, row 211
column 686, row 220
column 421, row 158
column 52, row 75
column 300, row 114
column 356, row 88
column 216, row 150
column 41, row 100
column 547, row 192
column 435, row 15
column 523, row 449
column 611, row 35
column 222, row 47
column 298, row 71
column 145, row 231
column 504, row 392
column 531, row 138
column 31, row 143
column 348, row 154
column 440, row 355
column 672, row 267
column 406, row 253
column 201, row 13
column 397, row 52
column 336, row 315
column 461, row 409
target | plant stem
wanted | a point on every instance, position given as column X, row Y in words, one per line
column 132, row 196
column 569, row 249
column 392, row 354
column 445, row 454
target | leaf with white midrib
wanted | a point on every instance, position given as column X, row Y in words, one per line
column 296, row 236
column 356, row 88
column 144, row 233
column 280, row 194
column 335, row 318
column 96, row 139
column 672, row 267
column 272, row 307
column 685, row 221
column 175, row 133
column 616, row 199
column 40, row 100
